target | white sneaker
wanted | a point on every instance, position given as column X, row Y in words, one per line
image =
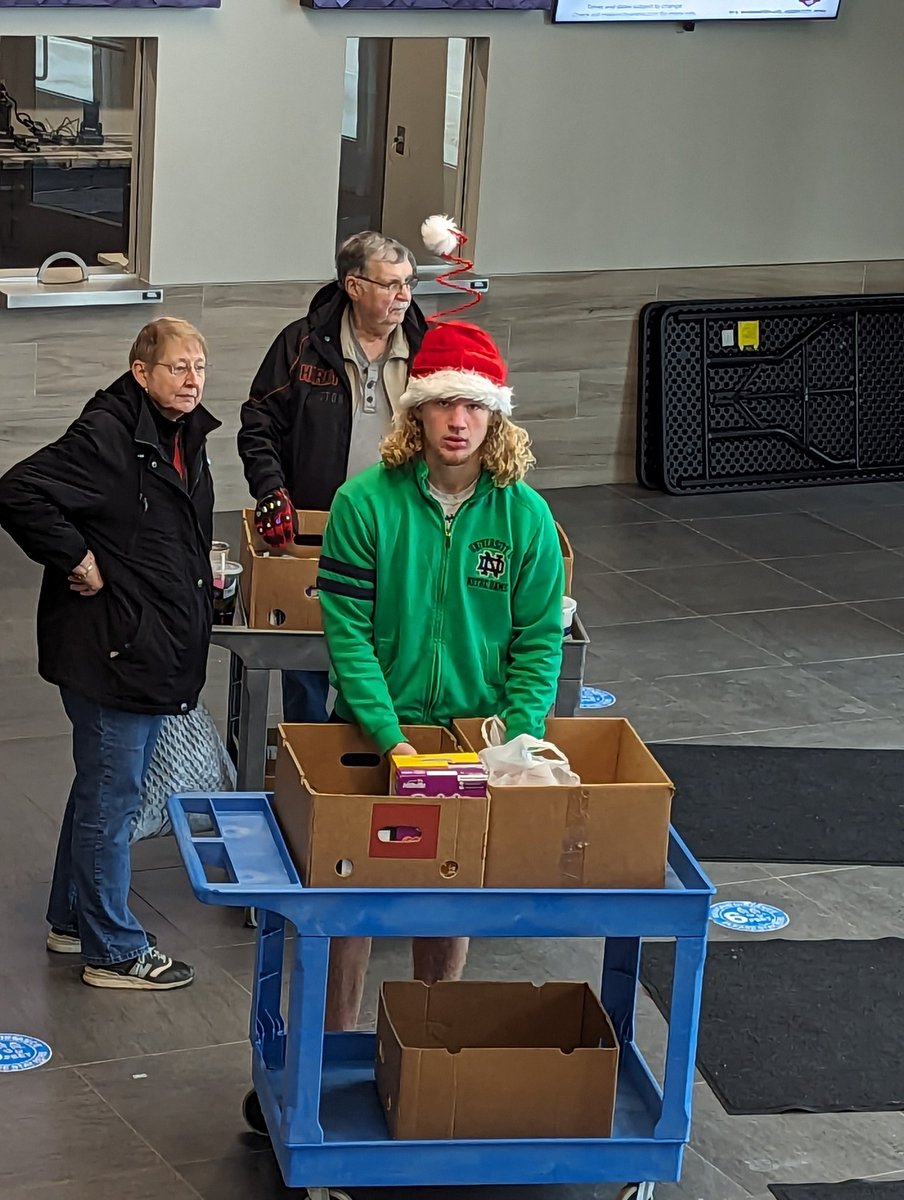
column 151, row 971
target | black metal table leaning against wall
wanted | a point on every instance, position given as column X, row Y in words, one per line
column 254, row 653
column 760, row 393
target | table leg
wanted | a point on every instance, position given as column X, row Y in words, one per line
column 253, row 705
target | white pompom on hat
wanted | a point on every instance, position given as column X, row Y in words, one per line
column 457, row 360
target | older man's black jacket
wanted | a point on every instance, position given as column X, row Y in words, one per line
column 297, row 423
column 109, row 485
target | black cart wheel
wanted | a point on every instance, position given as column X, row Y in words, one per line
column 254, row 1114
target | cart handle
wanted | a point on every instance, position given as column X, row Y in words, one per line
column 245, row 843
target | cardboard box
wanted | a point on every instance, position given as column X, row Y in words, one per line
column 495, row 1060
column 567, row 558
column 332, row 801
column 279, row 586
column 611, row 832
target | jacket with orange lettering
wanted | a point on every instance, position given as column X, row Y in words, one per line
column 296, row 425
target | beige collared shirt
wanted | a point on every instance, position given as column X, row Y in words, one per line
column 376, row 389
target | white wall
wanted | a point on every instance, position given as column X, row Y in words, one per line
column 632, row 146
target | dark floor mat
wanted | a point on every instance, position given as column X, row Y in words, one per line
column 782, row 804
column 854, row 1189
column 797, row 1026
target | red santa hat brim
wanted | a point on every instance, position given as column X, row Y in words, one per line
column 457, row 385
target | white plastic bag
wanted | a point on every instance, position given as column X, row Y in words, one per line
column 525, row 761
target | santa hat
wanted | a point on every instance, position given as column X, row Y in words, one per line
column 456, row 359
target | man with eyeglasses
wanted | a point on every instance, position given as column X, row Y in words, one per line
column 323, row 400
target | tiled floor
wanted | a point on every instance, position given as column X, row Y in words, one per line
column 775, row 618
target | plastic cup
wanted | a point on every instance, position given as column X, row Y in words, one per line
column 225, row 592
column 569, row 608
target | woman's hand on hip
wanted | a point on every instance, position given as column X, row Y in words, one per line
column 86, row 578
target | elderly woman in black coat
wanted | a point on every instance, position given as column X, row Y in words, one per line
column 119, row 513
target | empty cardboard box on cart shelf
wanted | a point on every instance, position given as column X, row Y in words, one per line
column 279, row 587
column 495, row 1060
column 612, row 831
column 344, row 829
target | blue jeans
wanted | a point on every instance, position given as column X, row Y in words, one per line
column 304, row 697
column 89, row 896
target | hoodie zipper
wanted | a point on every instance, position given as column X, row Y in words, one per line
column 440, row 608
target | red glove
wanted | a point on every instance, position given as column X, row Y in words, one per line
column 275, row 520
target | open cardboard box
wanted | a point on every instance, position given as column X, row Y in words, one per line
column 331, row 797
column 610, row 832
column 495, row 1060
column 279, row 587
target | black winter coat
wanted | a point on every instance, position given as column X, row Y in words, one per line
column 297, row 424
column 109, row 485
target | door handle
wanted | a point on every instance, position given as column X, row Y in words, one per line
column 398, row 142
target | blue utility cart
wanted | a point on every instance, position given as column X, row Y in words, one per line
column 314, row 1093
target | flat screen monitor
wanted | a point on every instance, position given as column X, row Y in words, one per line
column 602, row 12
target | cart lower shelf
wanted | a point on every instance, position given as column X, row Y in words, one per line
column 357, row 1150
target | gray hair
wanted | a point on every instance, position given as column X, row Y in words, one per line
column 358, row 250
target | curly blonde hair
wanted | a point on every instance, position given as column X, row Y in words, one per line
column 505, row 452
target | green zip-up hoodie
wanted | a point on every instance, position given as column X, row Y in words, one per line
column 425, row 625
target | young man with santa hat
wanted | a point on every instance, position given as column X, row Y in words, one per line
column 441, row 583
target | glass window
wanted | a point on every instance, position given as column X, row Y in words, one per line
column 350, row 105
column 455, row 86
column 65, row 67
column 68, row 133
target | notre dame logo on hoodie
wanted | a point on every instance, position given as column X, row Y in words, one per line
column 490, row 565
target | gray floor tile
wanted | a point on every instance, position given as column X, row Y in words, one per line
column 658, row 544
column 728, row 588
column 35, row 866
column 889, row 612
column 158, row 1096
column 611, row 598
column 722, row 873
column 859, row 902
column 40, row 768
column 87, row 1025
column 878, row 682
column 766, row 696
column 18, row 648
column 886, row 733
column 779, row 536
column 30, row 707
column 794, row 1147
column 149, row 1183
column 167, row 890
column 57, row 1130
column 873, row 575
column 882, row 526
column 662, row 648
column 657, row 715
column 594, row 506
column 727, row 504
column 824, row 634
column 850, row 497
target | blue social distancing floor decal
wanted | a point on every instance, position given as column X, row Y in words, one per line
column 19, row 1052
column 596, row 698
column 747, row 916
